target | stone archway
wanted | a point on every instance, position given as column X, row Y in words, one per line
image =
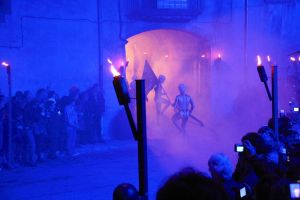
column 181, row 56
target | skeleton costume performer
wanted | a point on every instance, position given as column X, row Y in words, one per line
column 183, row 107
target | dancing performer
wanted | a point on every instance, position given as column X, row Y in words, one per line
column 183, row 107
column 162, row 101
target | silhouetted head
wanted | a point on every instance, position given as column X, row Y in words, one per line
column 182, row 88
column 125, row 191
column 267, row 134
column 19, row 94
column 41, row 95
column 257, row 141
column 74, row 92
column 161, row 79
column 19, row 97
column 28, row 95
column 284, row 124
column 189, row 184
column 220, row 167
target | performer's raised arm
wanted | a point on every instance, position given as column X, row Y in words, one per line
column 175, row 104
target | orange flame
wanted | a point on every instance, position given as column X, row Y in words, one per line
column 113, row 70
column 109, row 61
column 258, row 60
column 5, row 64
column 292, row 58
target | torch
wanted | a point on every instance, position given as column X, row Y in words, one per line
column 274, row 96
column 139, row 132
column 293, row 59
column 269, row 61
column 9, row 142
column 123, row 97
column 275, row 99
column 263, row 76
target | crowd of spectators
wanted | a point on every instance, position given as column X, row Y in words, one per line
column 46, row 126
column 268, row 168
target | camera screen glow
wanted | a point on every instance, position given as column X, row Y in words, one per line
column 239, row 148
column 243, row 192
column 295, row 190
column 296, row 109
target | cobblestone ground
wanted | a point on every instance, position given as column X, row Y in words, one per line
column 92, row 174
column 98, row 169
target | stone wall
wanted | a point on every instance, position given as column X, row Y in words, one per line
column 55, row 43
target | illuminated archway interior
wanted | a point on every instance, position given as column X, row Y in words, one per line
column 180, row 56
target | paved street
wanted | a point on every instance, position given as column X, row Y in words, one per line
column 98, row 169
column 86, row 176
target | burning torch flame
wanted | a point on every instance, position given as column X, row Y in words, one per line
column 109, row 61
column 113, row 70
column 219, row 56
column 5, row 64
column 292, row 58
column 258, row 61
column 269, row 58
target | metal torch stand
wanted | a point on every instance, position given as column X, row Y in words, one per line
column 275, row 101
column 9, row 136
column 140, row 131
column 142, row 138
column 272, row 97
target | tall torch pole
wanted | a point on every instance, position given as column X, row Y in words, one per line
column 275, row 100
column 274, row 96
column 245, row 40
column 139, row 132
column 9, row 138
column 142, row 138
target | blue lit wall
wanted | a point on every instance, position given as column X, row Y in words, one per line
column 50, row 44
column 54, row 43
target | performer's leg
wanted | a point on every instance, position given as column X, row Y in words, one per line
column 158, row 111
column 175, row 118
column 166, row 104
column 183, row 124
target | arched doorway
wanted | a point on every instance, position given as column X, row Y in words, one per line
column 181, row 56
